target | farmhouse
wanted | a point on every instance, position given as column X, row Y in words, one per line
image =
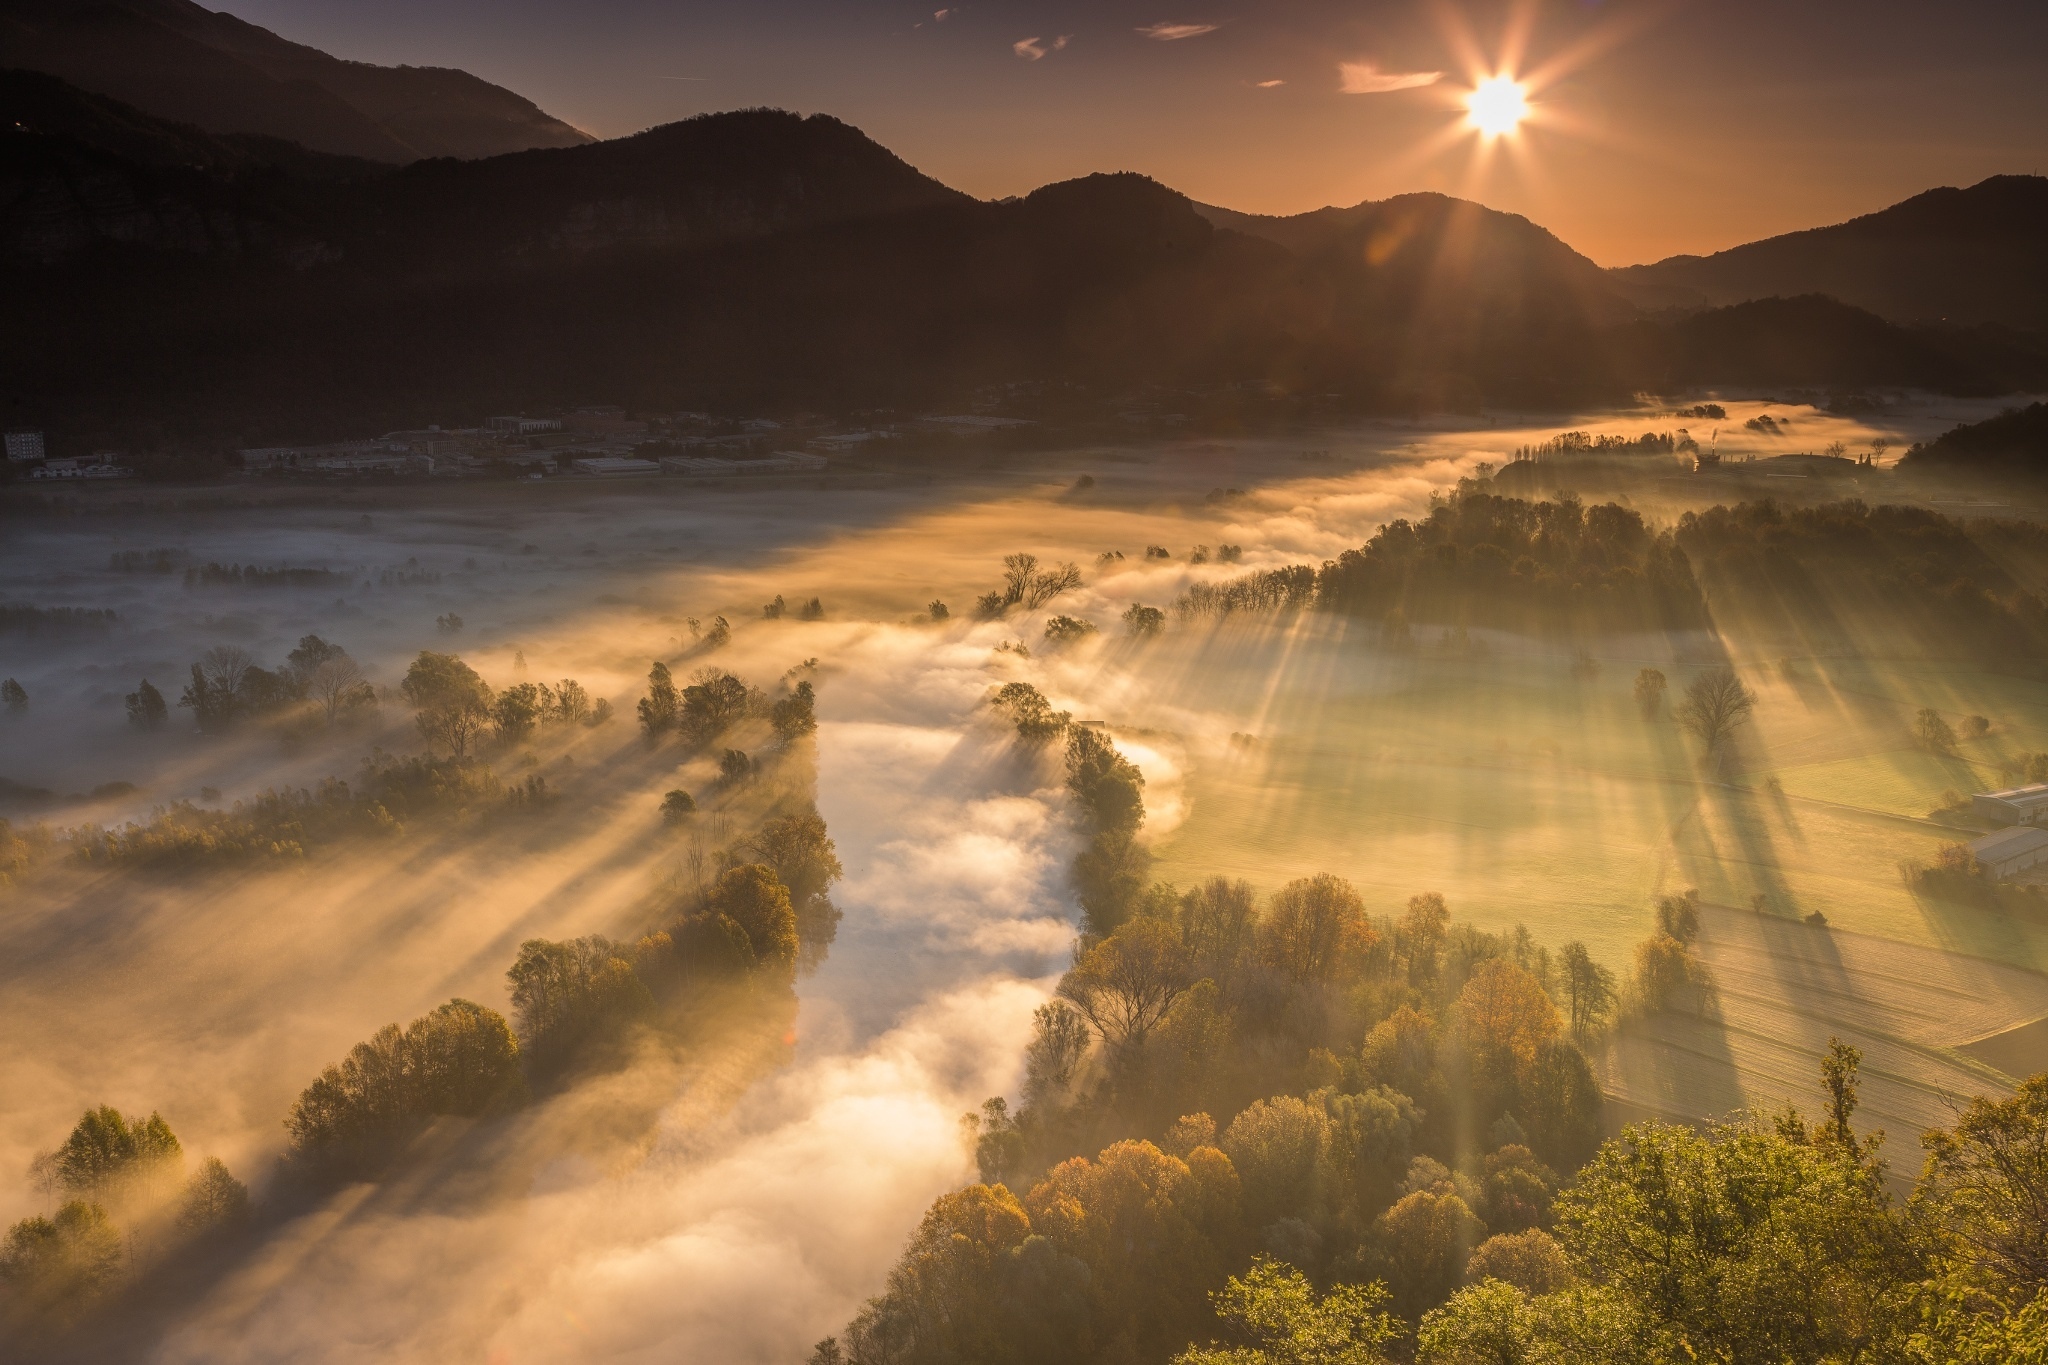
column 2011, row 851
column 2013, row 806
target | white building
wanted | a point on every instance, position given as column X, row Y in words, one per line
column 82, row 467
column 615, row 466
column 2014, row 806
column 972, row 424
column 25, row 445
column 2012, row 851
column 523, row 426
column 716, row 467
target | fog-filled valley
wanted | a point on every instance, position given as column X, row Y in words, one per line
column 966, row 782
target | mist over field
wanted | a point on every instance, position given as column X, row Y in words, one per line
column 656, row 1210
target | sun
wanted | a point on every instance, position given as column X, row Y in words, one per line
column 1497, row 105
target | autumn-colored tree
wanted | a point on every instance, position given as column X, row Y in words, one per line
column 570, row 996
column 1125, row 984
column 1505, row 1018
column 1530, row 1260
column 1277, row 1147
column 108, row 1159
column 451, row 704
column 1218, row 924
column 755, row 899
column 1424, row 1241
column 1421, row 935
column 1400, row 1052
column 1314, row 927
column 1148, row 1227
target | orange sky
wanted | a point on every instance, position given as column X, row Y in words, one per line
column 1662, row 127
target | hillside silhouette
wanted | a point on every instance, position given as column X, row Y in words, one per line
column 243, row 287
column 180, row 62
column 1961, row 256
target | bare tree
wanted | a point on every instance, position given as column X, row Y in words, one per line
column 1052, row 583
column 224, row 667
column 332, row 682
column 1018, row 571
column 1650, row 692
column 1716, row 705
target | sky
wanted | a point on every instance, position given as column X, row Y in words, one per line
column 1657, row 126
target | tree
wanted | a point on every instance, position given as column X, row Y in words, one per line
column 1107, row 785
column 800, row 852
column 1740, row 1243
column 451, row 704
column 1218, row 925
column 677, row 806
column 755, row 899
column 146, row 709
column 1666, row 970
column 517, row 710
column 1530, row 1260
column 1314, row 927
column 1276, row 1146
column 1143, row 622
column 1030, row 712
column 572, row 703
column 308, row 655
column 217, row 692
column 795, row 715
column 712, row 703
column 338, row 684
column 570, row 996
column 662, row 706
column 1986, row 1186
column 1424, row 1241
column 1588, row 989
column 359, row 1114
column 14, row 697
column 1716, row 704
column 1125, row 984
column 1679, row 916
column 213, row 1200
column 1274, row 1307
column 1650, row 687
column 1054, row 582
column 1505, row 1017
column 53, row 1263
column 1932, row 733
column 1059, row 1040
column 1062, row 630
column 1421, row 934
column 107, row 1157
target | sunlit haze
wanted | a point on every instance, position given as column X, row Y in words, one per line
column 826, row 682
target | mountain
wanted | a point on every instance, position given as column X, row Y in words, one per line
column 79, row 171
column 1968, row 257
column 2013, row 443
column 185, row 64
column 162, row 283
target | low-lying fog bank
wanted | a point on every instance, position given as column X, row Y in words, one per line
column 767, row 1207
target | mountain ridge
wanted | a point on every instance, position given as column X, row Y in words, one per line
column 186, row 64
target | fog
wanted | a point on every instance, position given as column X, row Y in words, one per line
column 772, row 1188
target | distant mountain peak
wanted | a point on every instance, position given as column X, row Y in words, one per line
column 186, row 64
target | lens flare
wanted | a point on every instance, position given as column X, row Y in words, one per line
column 1497, row 105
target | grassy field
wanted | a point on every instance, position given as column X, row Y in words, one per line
column 1531, row 790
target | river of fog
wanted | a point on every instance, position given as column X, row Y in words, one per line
column 766, row 1206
